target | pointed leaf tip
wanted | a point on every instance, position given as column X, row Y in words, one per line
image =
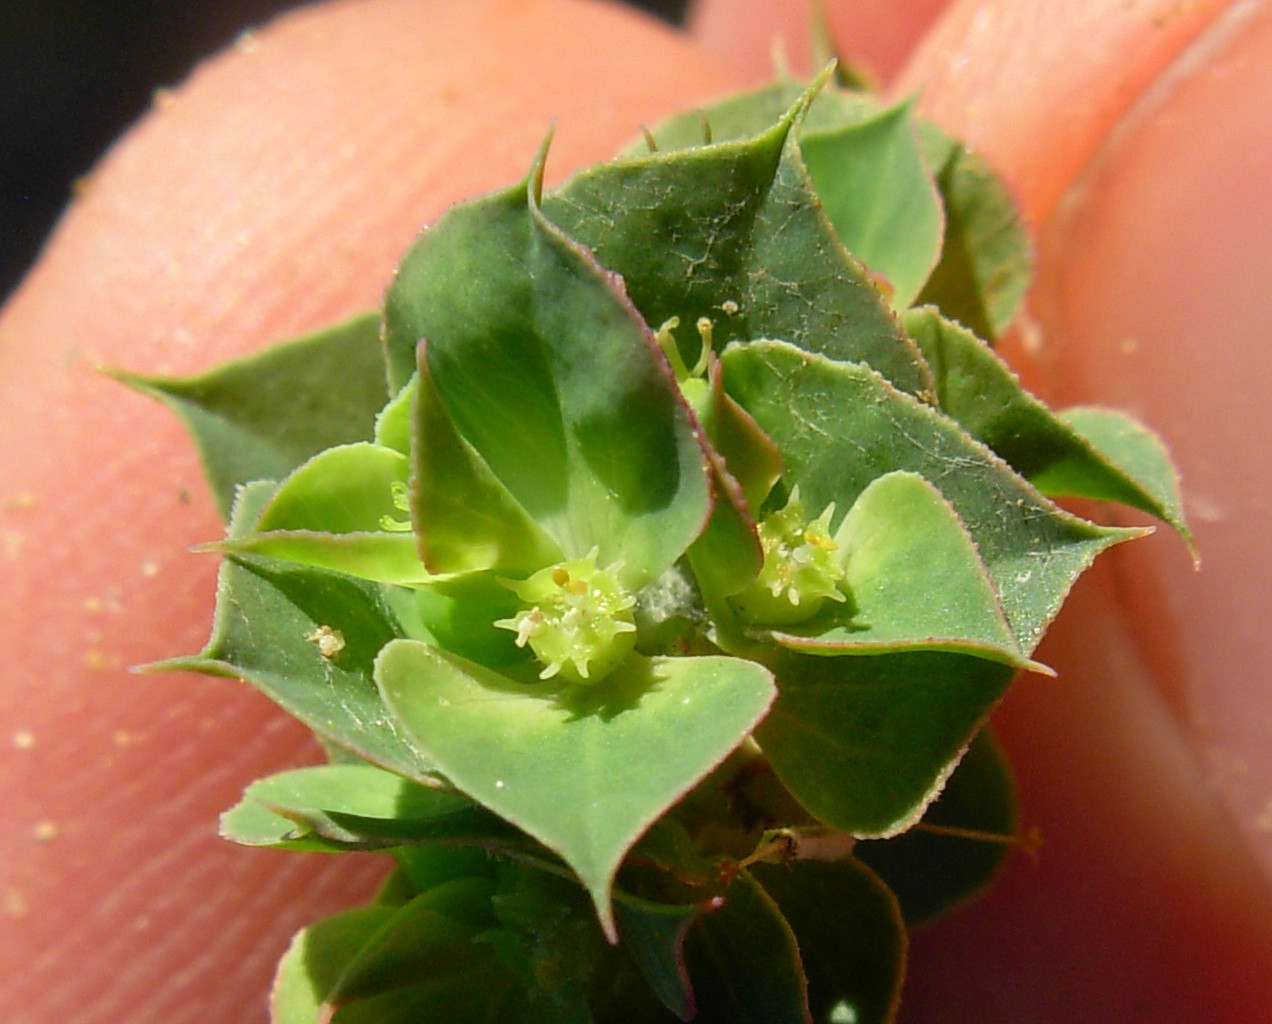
column 262, row 416
column 584, row 772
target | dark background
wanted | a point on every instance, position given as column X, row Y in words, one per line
column 75, row 73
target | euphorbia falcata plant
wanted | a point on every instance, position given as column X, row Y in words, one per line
column 273, row 194
column 648, row 567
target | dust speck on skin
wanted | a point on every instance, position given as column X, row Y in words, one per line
column 247, row 42
column 19, row 502
column 123, row 738
column 162, row 98
column 150, row 569
column 15, row 904
column 1204, row 509
column 108, row 602
column 1162, row 19
column 45, row 831
column 24, row 739
column 1129, row 345
column 1032, row 338
column 97, row 660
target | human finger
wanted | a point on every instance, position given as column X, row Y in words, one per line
column 270, row 194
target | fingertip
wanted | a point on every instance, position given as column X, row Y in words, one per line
column 1003, row 74
column 271, row 193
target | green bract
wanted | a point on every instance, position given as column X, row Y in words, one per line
column 621, row 633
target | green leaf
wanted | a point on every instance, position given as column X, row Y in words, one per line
column 503, row 944
column 914, row 582
column 584, row 771
column 429, row 959
column 420, row 868
column 474, row 998
column 316, row 958
column 880, row 197
column 749, row 454
column 345, row 489
column 266, row 631
column 383, row 962
column 933, row 871
column 866, row 164
column 338, row 512
column 669, row 847
column 261, row 417
column 839, row 426
column 745, row 464
column 380, row 557
column 467, row 519
column 459, row 613
column 744, row 964
column 549, row 373
column 987, row 258
column 558, row 935
column 393, row 424
column 852, row 941
column 728, row 555
column 1134, row 451
column 748, row 113
column 866, row 743
column 342, row 807
column 1088, row 453
column 431, row 936
column 654, row 934
column 735, row 232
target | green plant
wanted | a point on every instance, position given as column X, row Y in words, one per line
column 651, row 608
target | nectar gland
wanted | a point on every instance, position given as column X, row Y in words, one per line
column 803, row 568
column 578, row 620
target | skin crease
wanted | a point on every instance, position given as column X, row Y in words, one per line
column 261, row 202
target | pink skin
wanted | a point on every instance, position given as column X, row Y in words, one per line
column 260, row 202
column 749, row 36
